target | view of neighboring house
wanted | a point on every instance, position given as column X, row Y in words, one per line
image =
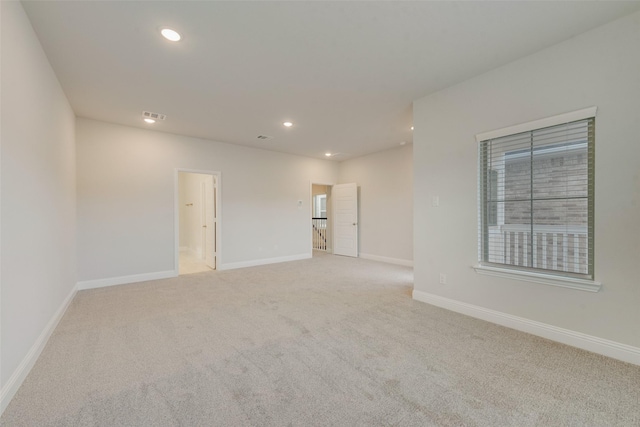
column 544, row 172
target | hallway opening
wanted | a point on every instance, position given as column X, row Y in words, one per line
column 198, row 225
column 320, row 223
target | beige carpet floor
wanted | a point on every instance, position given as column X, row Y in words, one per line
column 328, row 341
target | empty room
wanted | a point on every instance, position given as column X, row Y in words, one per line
column 331, row 213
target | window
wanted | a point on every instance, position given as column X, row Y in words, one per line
column 320, row 206
column 492, row 211
column 536, row 204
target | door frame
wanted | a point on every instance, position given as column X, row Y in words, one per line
column 310, row 212
column 176, row 214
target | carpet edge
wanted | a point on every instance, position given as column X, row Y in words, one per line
column 263, row 261
column 613, row 349
column 20, row 374
column 388, row 260
column 122, row 280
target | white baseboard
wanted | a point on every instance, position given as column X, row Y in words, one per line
column 15, row 381
column 398, row 261
column 121, row 280
column 605, row 347
column 264, row 261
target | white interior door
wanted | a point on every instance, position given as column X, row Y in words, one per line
column 345, row 215
column 209, row 223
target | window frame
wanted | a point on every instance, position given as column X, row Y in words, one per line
column 317, row 206
column 549, row 277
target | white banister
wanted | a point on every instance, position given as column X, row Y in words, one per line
column 552, row 242
column 319, row 233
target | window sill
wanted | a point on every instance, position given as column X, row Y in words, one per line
column 546, row 279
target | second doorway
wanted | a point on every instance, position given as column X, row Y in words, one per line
column 198, row 225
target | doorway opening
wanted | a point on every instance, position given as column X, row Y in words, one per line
column 321, row 235
column 198, row 225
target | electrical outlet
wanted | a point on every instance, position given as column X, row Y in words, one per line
column 443, row 278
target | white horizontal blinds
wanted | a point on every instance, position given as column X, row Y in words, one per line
column 537, row 199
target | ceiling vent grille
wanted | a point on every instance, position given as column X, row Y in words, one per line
column 264, row 137
column 154, row 116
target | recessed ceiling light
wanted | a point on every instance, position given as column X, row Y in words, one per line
column 150, row 121
column 411, row 127
column 171, row 35
column 287, row 124
column 327, row 154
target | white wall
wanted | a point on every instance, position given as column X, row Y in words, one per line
column 37, row 197
column 601, row 68
column 126, row 199
column 385, row 191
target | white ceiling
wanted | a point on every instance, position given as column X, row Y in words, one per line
column 345, row 73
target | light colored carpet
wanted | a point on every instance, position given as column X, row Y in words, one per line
column 328, row 341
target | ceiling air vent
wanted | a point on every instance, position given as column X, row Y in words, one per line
column 154, row 116
column 264, row 137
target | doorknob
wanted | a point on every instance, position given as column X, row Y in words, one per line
column 204, row 226
column 355, row 223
